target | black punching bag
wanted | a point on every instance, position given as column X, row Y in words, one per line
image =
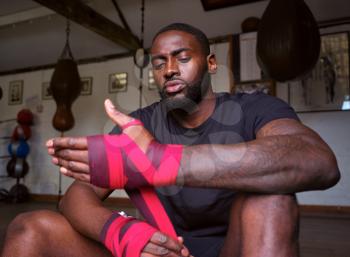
column 288, row 43
column 65, row 86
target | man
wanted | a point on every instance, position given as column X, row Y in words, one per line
column 243, row 158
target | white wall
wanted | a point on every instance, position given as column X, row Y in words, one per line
column 88, row 112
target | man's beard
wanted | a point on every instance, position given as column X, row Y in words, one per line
column 194, row 94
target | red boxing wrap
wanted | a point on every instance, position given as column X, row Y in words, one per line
column 117, row 162
column 125, row 236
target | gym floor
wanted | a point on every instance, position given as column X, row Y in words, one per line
column 321, row 235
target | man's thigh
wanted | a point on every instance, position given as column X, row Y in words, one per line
column 263, row 226
column 47, row 233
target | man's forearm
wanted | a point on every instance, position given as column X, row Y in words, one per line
column 275, row 164
column 83, row 208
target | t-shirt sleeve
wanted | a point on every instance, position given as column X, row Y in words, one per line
column 261, row 108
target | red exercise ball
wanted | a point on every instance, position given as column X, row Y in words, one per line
column 25, row 117
column 21, row 132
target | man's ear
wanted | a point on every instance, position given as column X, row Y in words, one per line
column 212, row 65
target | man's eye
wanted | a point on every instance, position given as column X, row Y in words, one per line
column 158, row 65
column 184, row 59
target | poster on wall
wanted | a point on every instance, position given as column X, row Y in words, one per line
column 327, row 87
column 15, row 92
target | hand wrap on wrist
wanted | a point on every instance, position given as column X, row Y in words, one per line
column 125, row 236
column 116, row 161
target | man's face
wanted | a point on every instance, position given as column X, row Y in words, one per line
column 180, row 69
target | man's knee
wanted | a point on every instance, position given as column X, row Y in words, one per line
column 32, row 227
column 263, row 225
column 272, row 208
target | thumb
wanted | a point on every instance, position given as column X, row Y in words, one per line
column 116, row 116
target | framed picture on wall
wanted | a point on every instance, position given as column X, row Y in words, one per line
column 151, row 83
column 86, row 86
column 266, row 86
column 15, row 92
column 46, row 93
column 118, row 82
column 327, row 87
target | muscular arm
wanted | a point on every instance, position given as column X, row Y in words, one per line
column 83, row 208
column 286, row 157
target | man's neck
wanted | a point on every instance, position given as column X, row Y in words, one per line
column 199, row 115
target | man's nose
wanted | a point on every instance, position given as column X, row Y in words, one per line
column 172, row 69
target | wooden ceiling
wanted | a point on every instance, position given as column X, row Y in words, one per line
column 81, row 13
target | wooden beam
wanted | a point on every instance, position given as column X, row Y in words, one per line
column 76, row 11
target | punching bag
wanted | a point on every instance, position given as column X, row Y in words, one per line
column 65, row 86
column 288, row 44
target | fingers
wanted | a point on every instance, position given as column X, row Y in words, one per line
column 117, row 117
column 157, row 250
column 160, row 243
column 70, row 155
column 73, row 166
column 79, row 143
column 163, row 240
column 76, row 175
column 73, row 163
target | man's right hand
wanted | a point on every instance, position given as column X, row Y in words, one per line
column 163, row 245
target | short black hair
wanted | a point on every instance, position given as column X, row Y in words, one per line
column 197, row 33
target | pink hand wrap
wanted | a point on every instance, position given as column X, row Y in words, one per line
column 125, row 236
column 117, row 162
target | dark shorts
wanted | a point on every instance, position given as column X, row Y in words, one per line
column 204, row 246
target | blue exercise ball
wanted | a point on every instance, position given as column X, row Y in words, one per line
column 18, row 148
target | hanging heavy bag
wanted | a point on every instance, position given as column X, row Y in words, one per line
column 288, row 42
column 65, row 86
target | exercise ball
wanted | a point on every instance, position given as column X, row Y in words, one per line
column 18, row 148
column 25, row 117
column 21, row 132
column 17, row 167
column 18, row 193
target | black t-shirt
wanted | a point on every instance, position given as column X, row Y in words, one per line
column 200, row 215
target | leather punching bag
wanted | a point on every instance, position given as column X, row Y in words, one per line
column 288, row 43
column 65, row 86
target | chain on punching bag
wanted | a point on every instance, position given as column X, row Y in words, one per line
column 65, row 87
column 288, row 43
